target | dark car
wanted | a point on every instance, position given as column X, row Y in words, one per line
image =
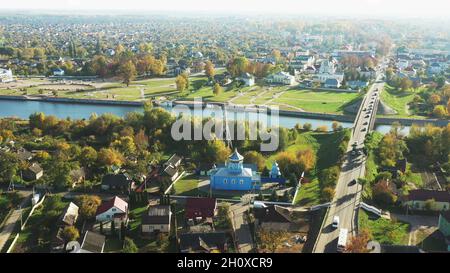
column 353, row 182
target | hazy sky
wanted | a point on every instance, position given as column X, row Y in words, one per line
column 408, row 8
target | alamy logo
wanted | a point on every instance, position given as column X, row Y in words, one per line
column 229, row 123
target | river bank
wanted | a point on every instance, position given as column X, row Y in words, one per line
column 236, row 108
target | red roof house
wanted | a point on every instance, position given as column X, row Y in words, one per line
column 200, row 208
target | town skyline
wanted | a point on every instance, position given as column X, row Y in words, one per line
column 367, row 8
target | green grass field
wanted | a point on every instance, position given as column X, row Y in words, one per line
column 187, row 185
column 383, row 230
column 399, row 101
column 317, row 101
column 325, row 145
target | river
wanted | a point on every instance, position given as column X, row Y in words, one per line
column 23, row 109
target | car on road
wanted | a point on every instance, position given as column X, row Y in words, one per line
column 335, row 223
column 367, row 116
column 366, row 123
column 353, row 182
column 363, row 130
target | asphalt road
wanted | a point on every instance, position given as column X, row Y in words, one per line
column 347, row 196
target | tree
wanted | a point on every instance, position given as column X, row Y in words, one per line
column 9, row 165
column 328, row 194
column 328, row 177
column 109, row 157
column 127, row 72
column 358, row 243
column 99, row 66
column 306, row 159
column 434, row 99
column 238, row 66
column 70, row 233
column 125, row 145
column 217, row 89
column 430, row 205
column 382, row 194
column 336, row 126
column 270, row 239
column 440, row 111
column 405, row 84
column 88, row 205
column 209, row 69
column 223, row 216
column 129, row 246
column 307, row 126
column 253, row 157
column 88, row 156
column 181, row 83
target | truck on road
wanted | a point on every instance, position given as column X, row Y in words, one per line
column 342, row 240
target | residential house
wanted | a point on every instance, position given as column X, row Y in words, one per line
column 172, row 167
column 277, row 218
column 117, row 182
column 115, row 209
column 281, row 78
column 302, row 62
column 200, row 208
column 357, row 84
column 247, row 79
column 332, row 83
column 444, row 226
column 92, row 243
column 24, row 154
column 157, row 219
column 209, row 242
column 6, row 75
column 33, row 172
column 367, row 72
column 416, row 199
column 234, row 175
column 69, row 216
column 410, row 71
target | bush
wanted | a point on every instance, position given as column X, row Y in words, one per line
column 328, row 194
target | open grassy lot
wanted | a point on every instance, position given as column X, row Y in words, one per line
column 317, row 101
column 187, row 185
column 325, row 145
column 383, row 230
column 399, row 101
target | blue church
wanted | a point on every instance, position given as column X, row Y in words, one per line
column 235, row 176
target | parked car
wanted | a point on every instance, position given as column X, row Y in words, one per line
column 335, row 223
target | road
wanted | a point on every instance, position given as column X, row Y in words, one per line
column 347, row 196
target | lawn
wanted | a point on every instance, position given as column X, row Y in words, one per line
column 383, row 230
column 187, row 185
column 318, row 101
column 325, row 145
column 40, row 229
column 7, row 202
column 399, row 101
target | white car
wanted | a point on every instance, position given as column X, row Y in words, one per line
column 335, row 223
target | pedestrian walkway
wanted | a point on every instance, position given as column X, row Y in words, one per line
column 11, row 222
